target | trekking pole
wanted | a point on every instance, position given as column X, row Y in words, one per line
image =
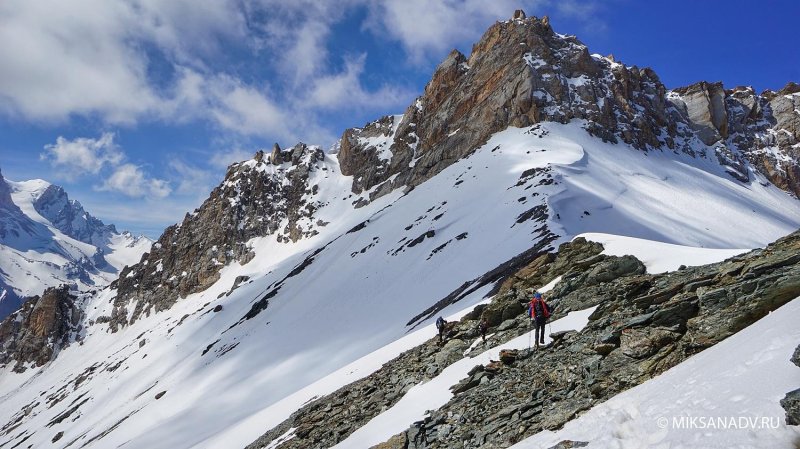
column 529, row 334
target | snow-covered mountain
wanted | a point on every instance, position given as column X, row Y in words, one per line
column 47, row 240
column 305, row 270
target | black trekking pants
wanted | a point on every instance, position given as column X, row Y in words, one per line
column 538, row 324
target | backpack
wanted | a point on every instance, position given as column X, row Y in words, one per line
column 540, row 308
column 439, row 323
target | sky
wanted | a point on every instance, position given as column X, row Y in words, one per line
column 137, row 107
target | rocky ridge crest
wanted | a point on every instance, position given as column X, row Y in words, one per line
column 522, row 72
column 69, row 217
column 266, row 195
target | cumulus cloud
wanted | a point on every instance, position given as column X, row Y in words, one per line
column 345, row 88
column 130, row 180
column 191, row 179
column 89, row 59
column 81, row 156
column 426, row 28
column 84, row 156
column 222, row 159
column 148, row 60
column 121, row 62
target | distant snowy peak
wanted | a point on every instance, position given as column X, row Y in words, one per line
column 69, row 217
column 522, row 72
column 47, row 240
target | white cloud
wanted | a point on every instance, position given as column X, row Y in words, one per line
column 345, row 89
column 222, row 159
column 81, row 156
column 87, row 57
column 84, row 156
column 193, row 180
column 130, row 180
column 427, row 28
column 123, row 62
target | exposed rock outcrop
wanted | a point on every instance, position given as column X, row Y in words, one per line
column 521, row 72
column 259, row 197
column 32, row 335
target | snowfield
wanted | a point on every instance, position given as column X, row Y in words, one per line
column 225, row 380
column 660, row 257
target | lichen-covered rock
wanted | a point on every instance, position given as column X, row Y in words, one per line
column 791, row 402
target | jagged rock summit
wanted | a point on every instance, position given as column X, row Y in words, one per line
column 258, row 198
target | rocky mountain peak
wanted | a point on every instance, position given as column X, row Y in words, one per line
column 259, row 197
column 519, row 73
column 522, row 72
column 69, row 217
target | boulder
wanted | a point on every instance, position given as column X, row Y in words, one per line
column 643, row 342
column 508, row 356
column 791, row 403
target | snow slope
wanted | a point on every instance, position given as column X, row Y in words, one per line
column 42, row 256
column 736, row 383
column 660, row 257
column 339, row 296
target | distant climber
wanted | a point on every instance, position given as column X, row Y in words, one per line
column 440, row 325
column 539, row 311
column 483, row 327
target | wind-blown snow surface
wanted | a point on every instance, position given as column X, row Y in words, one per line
column 41, row 256
column 362, row 287
column 737, row 383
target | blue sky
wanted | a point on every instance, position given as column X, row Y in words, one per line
column 137, row 107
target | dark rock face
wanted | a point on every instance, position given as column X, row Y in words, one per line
column 791, row 403
column 39, row 329
column 643, row 325
column 260, row 197
column 521, row 72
